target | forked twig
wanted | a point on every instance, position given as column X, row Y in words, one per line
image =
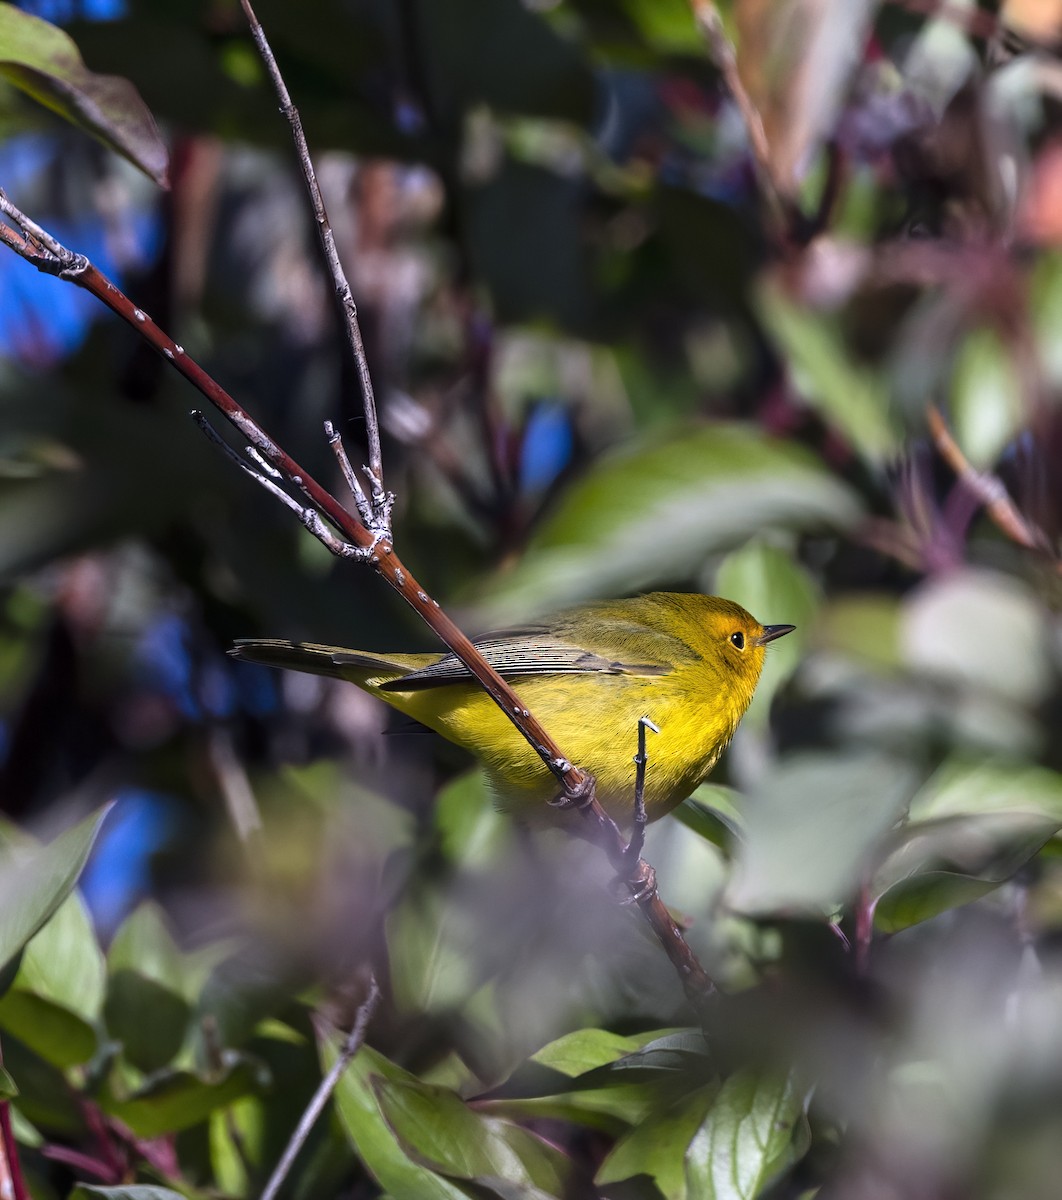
column 378, row 514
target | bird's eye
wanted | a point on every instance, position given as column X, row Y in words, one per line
column 738, row 639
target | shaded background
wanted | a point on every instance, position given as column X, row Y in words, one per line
column 600, row 370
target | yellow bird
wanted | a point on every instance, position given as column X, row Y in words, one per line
column 687, row 662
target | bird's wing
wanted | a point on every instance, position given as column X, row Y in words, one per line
column 520, row 656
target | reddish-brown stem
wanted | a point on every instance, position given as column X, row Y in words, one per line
column 11, row 1167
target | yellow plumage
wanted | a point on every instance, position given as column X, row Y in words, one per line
column 688, row 662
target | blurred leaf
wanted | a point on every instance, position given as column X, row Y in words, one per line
column 609, row 1109
column 43, row 62
column 501, row 53
column 63, row 962
column 470, row 826
column 236, row 1135
column 526, row 242
column 925, row 896
column 585, row 1049
column 777, row 591
column 970, row 828
column 45, row 1097
column 862, row 627
column 796, row 58
column 145, row 976
column 34, row 883
column 811, row 828
column 148, row 1045
column 8, row 1088
column 644, row 516
column 375, row 1142
column 746, row 1138
column 666, row 25
column 848, row 395
column 707, row 823
column 57, row 991
column 965, row 786
column 51, row 1030
column 145, row 945
column 657, row 1145
column 176, row 1100
column 986, row 398
column 85, row 1191
column 436, row 1128
column 429, row 971
column 980, row 630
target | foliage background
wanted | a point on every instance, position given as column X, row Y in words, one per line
column 601, row 370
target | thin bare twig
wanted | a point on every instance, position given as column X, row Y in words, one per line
column 351, row 1045
column 725, row 58
column 378, row 522
column 988, row 488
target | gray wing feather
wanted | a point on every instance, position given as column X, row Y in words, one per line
column 513, row 658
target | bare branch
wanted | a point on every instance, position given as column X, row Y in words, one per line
column 351, row 1045
column 339, row 279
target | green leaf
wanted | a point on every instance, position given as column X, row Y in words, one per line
column 811, row 828
column 87, row 1191
column 176, row 1100
column 586, row 1049
column 429, row 971
column 44, row 62
column 777, row 591
column 436, row 1128
column 56, row 993
column 986, row 398
column 146, row 975
column 63, row 962
column 375, row 1142
column 45, row 1098
column 149, row 1044
column 144, row 944
column 705, row 821
column 965, row 786
column 666, row 25
column 610, row 1109
column 651, row 513
column 59, row 1036
column 657, row 1145
column 470, row 826
column 852, row 397
column 951, row 633
column 34, row 882
column 925, row 896
column 746, row 1138
column 8, row 1087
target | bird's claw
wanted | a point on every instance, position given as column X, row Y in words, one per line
column 641, row 882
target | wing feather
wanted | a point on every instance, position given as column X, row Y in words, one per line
column 514, row 657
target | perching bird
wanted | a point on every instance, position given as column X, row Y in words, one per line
column 689, row 663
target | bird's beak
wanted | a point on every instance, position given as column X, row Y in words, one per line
column 770, row 632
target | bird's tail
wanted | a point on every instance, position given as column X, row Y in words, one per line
column 353, row 665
